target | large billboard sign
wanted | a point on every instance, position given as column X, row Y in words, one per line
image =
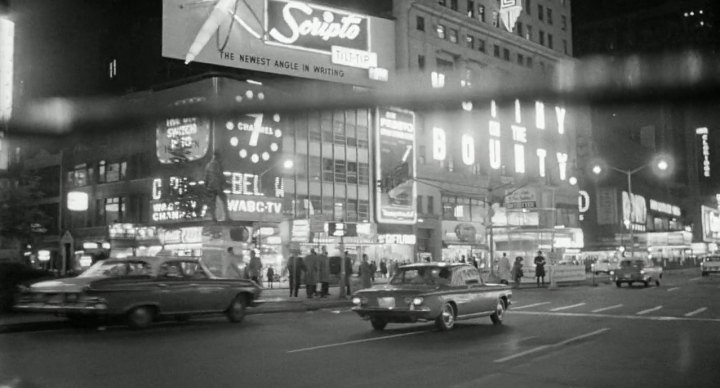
column 294, row 38
column 395, row 166
column 710, row 224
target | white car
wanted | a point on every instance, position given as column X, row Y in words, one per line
column 604, row 265
column 710, row 264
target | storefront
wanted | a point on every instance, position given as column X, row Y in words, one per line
column 464, row 241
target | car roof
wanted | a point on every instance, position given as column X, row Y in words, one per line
column 437, row 264
column 152, row 259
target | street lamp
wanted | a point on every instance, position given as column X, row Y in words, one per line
column 663, row 165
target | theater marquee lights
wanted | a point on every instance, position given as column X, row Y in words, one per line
column 521, row 133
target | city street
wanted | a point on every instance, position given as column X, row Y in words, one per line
column 580, row 336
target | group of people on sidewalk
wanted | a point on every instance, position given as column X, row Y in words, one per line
column 315, row 268
column 507, row 271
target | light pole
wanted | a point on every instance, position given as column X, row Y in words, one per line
column 661, row 162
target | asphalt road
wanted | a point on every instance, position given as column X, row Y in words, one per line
column 666, row 336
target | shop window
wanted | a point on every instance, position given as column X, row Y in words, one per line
column 477, row 210
column 111, row 172
column 315, row 168
column 328, row 169
column 363, row 173
column 420, row 23
column 80, row 176
column 352, row 172
column 448, row 211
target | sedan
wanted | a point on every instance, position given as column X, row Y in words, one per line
column 637, row 271
column 140, row 290
column 434, row 292
column 710, row 264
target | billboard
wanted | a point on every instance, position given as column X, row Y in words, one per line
column 395, row 166
column 710, row 224
column 294, row 38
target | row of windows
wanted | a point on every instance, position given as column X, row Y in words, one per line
column 133, row 208
column 544, row 13
column 340, row 127
column 104, row 171
column 351, row 210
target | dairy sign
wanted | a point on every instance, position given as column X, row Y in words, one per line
column 396, row 194
column 295, row 38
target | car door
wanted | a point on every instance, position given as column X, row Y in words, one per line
column 176, row 294
column 205, row 293
column 462, row 292
column 483, row 295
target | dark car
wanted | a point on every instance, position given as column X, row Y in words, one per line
column 141, row 289
column 636, row 270
column 437, row 292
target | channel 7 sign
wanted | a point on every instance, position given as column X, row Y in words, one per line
column 342, row 229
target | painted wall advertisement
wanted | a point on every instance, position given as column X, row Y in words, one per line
column 395, row 167
column 295, row 38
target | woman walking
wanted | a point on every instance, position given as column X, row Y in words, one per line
column 517, row 271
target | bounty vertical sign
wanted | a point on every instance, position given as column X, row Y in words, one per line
column 395, row 166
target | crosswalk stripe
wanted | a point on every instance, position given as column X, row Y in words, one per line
column 656, row 308
column 607, row 308
column 698, row 311
column 567, row 307
column 695, row 279
column 673, row 289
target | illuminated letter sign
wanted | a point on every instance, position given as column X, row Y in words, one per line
column 520, row 136
column 494, row 154
column 560, row 112
column 539, row 115
column 313, row 27
column 583, row 201
column 7, row 41
column 396, row 194
column 468, row 150
column 541, row 153
column 562, row 159
column 703, row 132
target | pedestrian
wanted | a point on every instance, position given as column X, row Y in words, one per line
column 462, row 259
column 395, row 267
column 365, row 272
column 540, row 269
column 504, row 269
column 324, row 273
column 348, row 273
column 517, row 271
column 215, row 185
column 383, row 268
column 295, row 268
column 311, row 274
column 373, row 270
column 255, row 267
column 270, row 276
column 475, row 261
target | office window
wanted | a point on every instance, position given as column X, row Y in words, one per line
column 80, row 176
column 471, row 9
column 351, row 212
column 420, row 23
column 421, row 62
column 506, row 54
column 440, row 29
column 519, row 28
column 481, row 13
column 521, row 59
column 328, row 206
column 443, row 3
column 352, row 172
column 563, row 22
column 340, row 171
column 541, row 12
column 496, row 19
column 565, row 47
column 453, row 35
column 314, row 168
column 339, row 137
column 363, row 173
column 481, row 45
column 496, row 50
column 326, row 127
column 454, row 5
column 110, row 210
column 419, row 204
column 549, row 16
column 362, row 129
column 470, row 41
column 528, row 32
column 550, row 40
column 541, row 37
column 529, row 62
column 328, row 169
column 528, row 7
column 363, row 210
column 430, row 204
column 111, row 172
column 314, row 127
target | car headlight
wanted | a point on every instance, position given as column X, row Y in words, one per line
column 642, row 272
column 359, row 301
column 417, row 301
column 612, row 273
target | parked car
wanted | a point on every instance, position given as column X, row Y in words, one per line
column 710, row 264
column 140, row 290
column 14, row 274
column 438, row 292
column 636, row 270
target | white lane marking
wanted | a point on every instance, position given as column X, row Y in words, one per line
column 530, row 305
column 543, row 347
column 695, row 279
column 673, row 289
column 698, row 311
column 656, row 308
column 636, row 317
column 567, row 307
column 607, row 308
column 356, row 341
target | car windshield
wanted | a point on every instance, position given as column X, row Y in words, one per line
column 713, row 258
column 632, row 264
column 421, row 275
column 111, row 269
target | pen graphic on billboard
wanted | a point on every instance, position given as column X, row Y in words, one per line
column 395, row 166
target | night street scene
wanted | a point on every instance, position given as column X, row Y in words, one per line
column 359, row 193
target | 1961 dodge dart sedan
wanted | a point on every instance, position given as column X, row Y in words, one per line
column 141, row 289
column 439, row 292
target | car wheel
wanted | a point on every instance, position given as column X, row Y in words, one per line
column 378, row 324
column 446, row 320
column 618, row 284
column 236, row 311
column 497, row 317
column 140, row 317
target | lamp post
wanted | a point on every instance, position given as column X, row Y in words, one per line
column 661, row 162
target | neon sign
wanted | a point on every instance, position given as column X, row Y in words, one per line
column 703, row 132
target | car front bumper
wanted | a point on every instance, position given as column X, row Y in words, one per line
column 396, row 315
column 61, row 309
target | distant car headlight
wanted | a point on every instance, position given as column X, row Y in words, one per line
column 417, row 301
column 642, row 272
column 612, row 273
